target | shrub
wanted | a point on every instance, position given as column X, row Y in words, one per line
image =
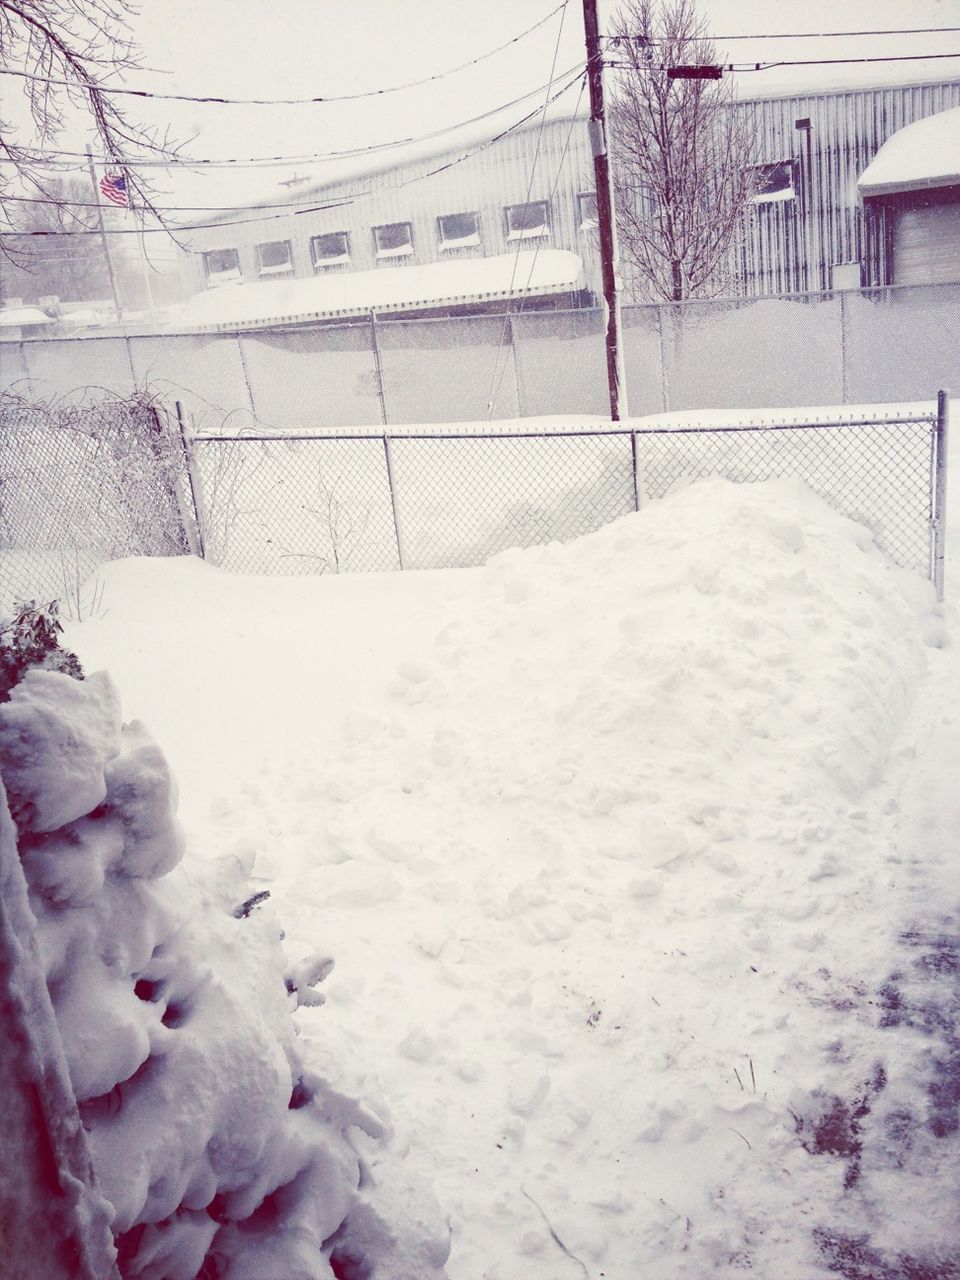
column 31, row 638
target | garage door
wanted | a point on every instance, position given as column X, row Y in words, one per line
column 926, row 244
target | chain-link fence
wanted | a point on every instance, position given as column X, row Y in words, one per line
column 82, row 483
column 337, row 503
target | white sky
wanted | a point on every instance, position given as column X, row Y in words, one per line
column 297, row 48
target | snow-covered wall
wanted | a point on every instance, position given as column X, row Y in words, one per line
column 213, row 1141
column 898, row 343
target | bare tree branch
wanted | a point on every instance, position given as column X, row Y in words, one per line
column 683, row 155
column 86, row 43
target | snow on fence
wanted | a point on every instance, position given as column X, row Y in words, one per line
column 288, row 504
column 82, row 483
column 86, row 483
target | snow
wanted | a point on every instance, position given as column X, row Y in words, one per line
column 212, row 1143
column 770, row 197
column 617, row 845
column 55, row 740
column 355, row 293
column 460, row 242
column 17, row 316
column 922, row 155
column 398, row 251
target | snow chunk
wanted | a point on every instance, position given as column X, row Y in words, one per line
column 56, row 736
column 142, row 793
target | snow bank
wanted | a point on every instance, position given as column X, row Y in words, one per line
column 603, row 837
column 213, row 1142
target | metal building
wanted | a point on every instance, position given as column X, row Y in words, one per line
column 532, row 189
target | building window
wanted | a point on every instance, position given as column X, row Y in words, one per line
column 330, row 248
column 773, row 182
column 458, row 230
column 587, row 201
column 395, row 240
column 221, row 266
column 275, row 258
column 527, row 221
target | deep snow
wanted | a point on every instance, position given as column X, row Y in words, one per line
column 613, row 844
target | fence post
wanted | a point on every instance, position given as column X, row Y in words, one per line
column 246, row 376
column 393, row 499
column 517, row 378
column 378, row 374
column 664, row 387
column 636, row 486
column 940, row 490
column 844, row 380
column 194, row 534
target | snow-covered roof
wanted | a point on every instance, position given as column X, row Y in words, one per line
column 387, row 289
column 922, row 155
column 18, row 317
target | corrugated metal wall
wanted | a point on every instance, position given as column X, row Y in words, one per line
column 789, row 246
column 794, row 244
column 499, row 175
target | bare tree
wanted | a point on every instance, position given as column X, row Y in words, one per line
column 682, row 153
column 69, row 55
column 70, row 266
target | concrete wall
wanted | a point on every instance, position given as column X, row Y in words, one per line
column 870, row 346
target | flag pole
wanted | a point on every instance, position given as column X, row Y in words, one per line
column 103, row 235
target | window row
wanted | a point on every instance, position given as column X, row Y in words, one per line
column 529, row 221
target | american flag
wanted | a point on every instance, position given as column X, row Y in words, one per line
column 114, row 187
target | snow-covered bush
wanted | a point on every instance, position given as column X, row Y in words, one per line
column 221, row 1153
column 31, row 638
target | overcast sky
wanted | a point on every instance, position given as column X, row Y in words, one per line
column 299, row 48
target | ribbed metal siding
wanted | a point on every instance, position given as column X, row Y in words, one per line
column 502, row 174
column 794, row 245
column 788, row 247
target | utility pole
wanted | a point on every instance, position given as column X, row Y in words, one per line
column 607, row 226
column 103, row 234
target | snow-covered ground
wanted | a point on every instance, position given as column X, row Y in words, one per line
column 636, row 856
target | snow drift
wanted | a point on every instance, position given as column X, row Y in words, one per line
column 604, row 838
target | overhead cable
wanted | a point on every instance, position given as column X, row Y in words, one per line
column 112, row 90
column 293, row 211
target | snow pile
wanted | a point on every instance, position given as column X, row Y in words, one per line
column 356, row 292
column 214, row 1144
column 605, row 839
column 612, row 820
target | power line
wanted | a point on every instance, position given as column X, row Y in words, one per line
column 737, row 68
column 288, row 102
column 293, row 211
column 795, row 35
column 828, row 62
column 348, row 153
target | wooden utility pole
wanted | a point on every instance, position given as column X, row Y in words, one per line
column 103, row 234
column 607, row 226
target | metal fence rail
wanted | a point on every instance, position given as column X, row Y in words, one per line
column 303, row 503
